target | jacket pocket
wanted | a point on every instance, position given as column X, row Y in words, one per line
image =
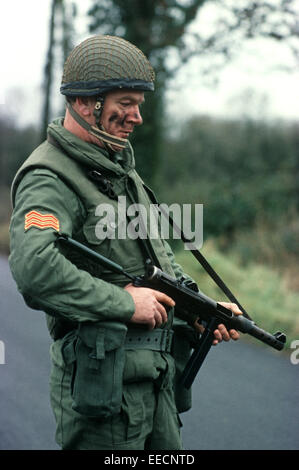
column 118, row 247
column 97, row 355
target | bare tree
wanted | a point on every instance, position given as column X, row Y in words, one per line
column 48, row 72
column 60, row 44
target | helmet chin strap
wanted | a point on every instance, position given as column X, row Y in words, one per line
column 98, row 131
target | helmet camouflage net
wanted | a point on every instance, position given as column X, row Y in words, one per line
column 103, row 63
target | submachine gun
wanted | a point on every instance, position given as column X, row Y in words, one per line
column 187, row 298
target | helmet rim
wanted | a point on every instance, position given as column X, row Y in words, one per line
column 98, row 87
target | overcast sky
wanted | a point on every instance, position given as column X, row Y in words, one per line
column 24, row 38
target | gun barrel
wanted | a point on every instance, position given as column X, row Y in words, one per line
column 277, row 341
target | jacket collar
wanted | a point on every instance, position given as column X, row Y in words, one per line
column 90, row 154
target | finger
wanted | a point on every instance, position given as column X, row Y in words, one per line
column 163, row 298
column 235, row 309
column 234, row 334
column 162, row 312
column 151, row 324
column 198, row 327
column 224, row 333
column 231, row 306
column 217, row 336
column 157, row 320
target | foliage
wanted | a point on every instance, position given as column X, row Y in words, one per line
column 242, row 171
column 16, row 146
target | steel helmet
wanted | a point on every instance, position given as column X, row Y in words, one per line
column 103, row 63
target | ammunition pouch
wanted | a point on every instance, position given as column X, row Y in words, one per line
column 97, row 357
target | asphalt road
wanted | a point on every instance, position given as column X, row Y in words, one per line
column 246, row 397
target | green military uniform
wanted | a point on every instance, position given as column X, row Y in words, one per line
column 105, row 393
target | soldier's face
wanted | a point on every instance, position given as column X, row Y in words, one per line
column 121, row 112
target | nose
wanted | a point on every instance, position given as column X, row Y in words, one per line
column 134, row 116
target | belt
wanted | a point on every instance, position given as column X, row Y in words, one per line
column 155, row 340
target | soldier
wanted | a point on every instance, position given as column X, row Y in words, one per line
column 114, row 361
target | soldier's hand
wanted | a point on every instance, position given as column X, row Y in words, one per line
column 221, row 333
column 149, row 309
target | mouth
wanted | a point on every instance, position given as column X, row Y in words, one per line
column 126, row 133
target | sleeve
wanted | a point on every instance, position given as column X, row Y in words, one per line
column 45, row 278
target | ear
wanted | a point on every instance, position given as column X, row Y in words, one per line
column 84, row 105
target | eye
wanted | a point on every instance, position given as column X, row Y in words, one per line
column 125, row 103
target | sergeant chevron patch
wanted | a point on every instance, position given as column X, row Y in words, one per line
column 41, row 221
